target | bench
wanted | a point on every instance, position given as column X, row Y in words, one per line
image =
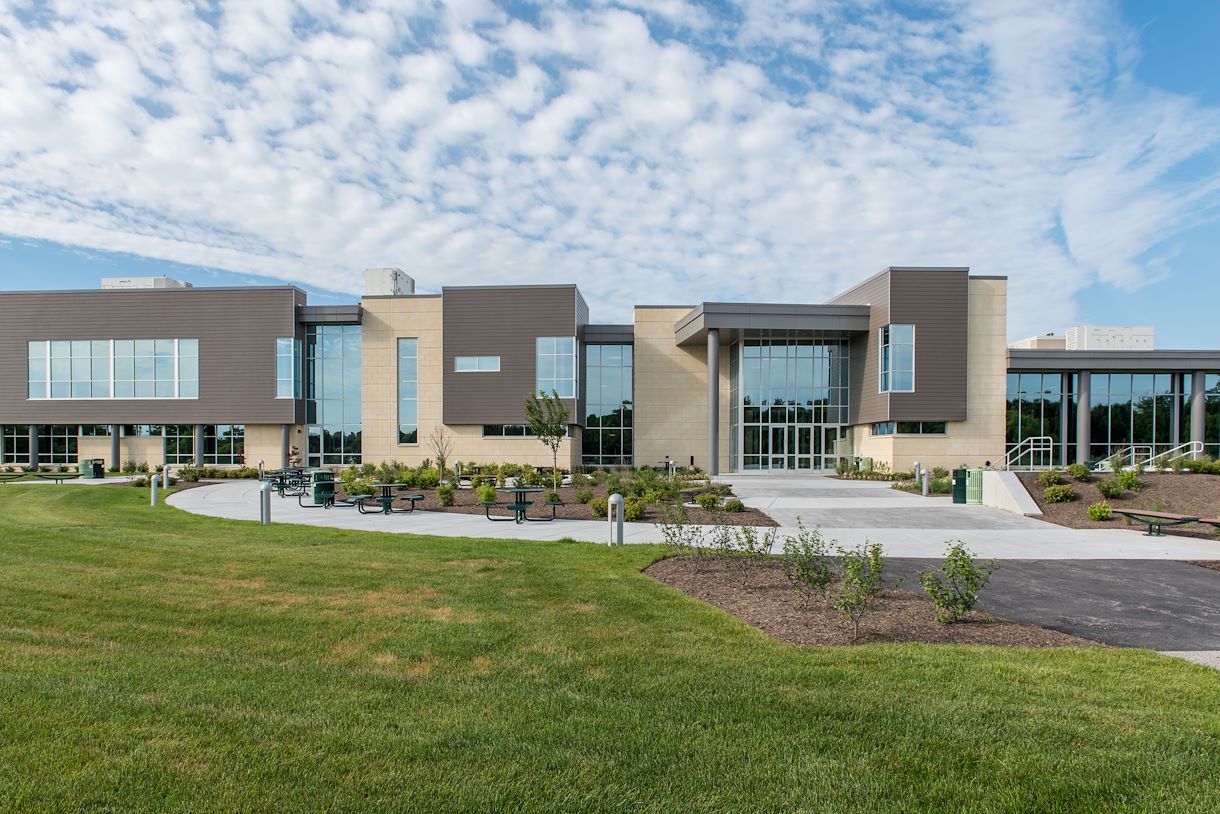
column 1214, row 522
column 58, row 477
column 5, row 477
column 1155, row 521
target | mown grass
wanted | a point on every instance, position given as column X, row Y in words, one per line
column 155, row 660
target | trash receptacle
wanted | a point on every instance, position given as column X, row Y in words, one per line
column 90, row 468
column 959, row 485
column 866, row 464
column 321, row 486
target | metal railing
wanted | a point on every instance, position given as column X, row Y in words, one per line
column 1160, row 460
column 1032, row 453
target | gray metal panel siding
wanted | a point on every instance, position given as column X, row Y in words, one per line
column 866, row 404
column 608, row 334
column 236, row 328
column 504, row 322
column 937, row 303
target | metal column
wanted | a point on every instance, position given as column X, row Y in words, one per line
column 1198, row 406
column 34, row 457
column 115, row 432
column 197, row 445
column 1084, row 415
column 713, row 401
column 285, row 444
column 1065, row 415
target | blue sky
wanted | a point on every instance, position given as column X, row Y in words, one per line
column 650, row 152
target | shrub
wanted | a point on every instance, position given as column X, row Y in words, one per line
column 1080, row 472
column 633, row 509
column 1051, row 477
column 733, row 506
column 427, row 478
column 486, row 493
column 1110, row 488
column 584, row 495
column 444, row 494
column 939, row 473
column 553, row 497
column 941, row 486
column 1100, row 511
column 1059, row 494
column 600, row 506
column 189, row 474
column 1129, row 479
column 859, row 590
column 955, row 588
column 708, row 501
column 807, row 562
column 408, row 478
column 720, row 489
column 478, row 480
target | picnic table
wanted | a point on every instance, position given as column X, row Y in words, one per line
column 58, row 477
column 1155, row 521
column 385, row 499
column 288, row 482
column 518, row 505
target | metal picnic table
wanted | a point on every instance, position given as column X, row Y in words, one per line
column 386, row 499
column 518, row 506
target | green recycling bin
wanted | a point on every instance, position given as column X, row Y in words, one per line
column 90, row 468
column 959, row 485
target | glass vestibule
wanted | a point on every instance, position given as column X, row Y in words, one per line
column 788, row 399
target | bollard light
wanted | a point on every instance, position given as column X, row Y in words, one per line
column 924, row 480
column 264, row 503
column 615, row 518
column 153, row 482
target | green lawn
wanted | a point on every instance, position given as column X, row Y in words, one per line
column 154, row 660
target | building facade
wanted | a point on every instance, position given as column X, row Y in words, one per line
column 910, row 365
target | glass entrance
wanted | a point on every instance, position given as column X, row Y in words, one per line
column 788, row 399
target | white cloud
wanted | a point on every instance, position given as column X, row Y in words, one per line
column 651, row 152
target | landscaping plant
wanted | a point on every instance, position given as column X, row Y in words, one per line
column 444, row 494
column 1129, row 479
column 1080, row 472
column 486, row 493
column 441, row 443
column 584, row 495
column 680, row 535
column 806, row 562
column 1100, row 511
column 1051, row 477
column 862, row 583
column 708, row 501
column 955, row 588
column 747, row 550
column 548, row 419
column 600, row 506
column 1059, row 494
column 1110, row 489
column 734, row 506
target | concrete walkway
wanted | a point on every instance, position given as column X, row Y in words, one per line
column 850, row 512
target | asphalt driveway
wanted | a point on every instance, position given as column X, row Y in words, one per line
column 1157, row 604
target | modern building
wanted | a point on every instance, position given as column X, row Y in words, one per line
column 912, row 364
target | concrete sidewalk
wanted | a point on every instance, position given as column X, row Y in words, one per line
column 920, row 530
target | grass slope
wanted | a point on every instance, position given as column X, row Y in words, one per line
column 155, row 660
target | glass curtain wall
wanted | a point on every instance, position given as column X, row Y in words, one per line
column 15, row 447
column 1211, row 406
column 789, row 399
column 1036, row 403
column 332, row 393
column 607, row 437
column 1133, row 410
column 224, row 444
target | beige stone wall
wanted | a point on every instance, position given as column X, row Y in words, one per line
column 981, row 437
column 670, row 393
column 98, row 449
column 386, row 319
column 263, row 444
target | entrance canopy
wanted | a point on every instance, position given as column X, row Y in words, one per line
column 734, row 318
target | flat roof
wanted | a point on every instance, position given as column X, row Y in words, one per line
column 1179, row 361
column 733, row 317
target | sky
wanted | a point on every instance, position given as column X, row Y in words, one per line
column 651, row 152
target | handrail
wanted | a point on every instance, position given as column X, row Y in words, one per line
column 1040, row 451
column 1189, row 450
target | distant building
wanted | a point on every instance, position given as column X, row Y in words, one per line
column 1046, row 342
column 112, row 283
column 1100, row 337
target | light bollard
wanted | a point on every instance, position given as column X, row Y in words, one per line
column 918, row 469
column 165, row 478
column 615, row 516
column 260, row 469
column 924, row 483
column 264, row 503
column 457, row 473
column 153, row 498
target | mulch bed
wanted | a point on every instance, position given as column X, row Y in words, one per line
column 1190, row 494
column 770, row 604
column 1212, row 564
column 466, row 501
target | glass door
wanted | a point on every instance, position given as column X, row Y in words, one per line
column 804, row 447
column 779, row 447
column 829, row 453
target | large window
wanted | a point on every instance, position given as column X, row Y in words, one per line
column 555, row 366
column 507, row 431
column 14, row 444
column 224, row 444
column 57, row 443
column 287, row 368
column 113, row 369
column 607, row 437
column 408, row 391
column 476, row 364
column 1211, row 407
column 332, row 392
column 1037, row 403
column 179, row 443
column 1131, row 409
column 897, row 368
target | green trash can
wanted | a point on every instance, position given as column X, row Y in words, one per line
column 89, row 468
column 959, row 485
column 974, row 487
column 866, row 464
column 321, row 486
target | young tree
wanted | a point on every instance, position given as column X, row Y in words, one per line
column 442, row 445
column 549, row 421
